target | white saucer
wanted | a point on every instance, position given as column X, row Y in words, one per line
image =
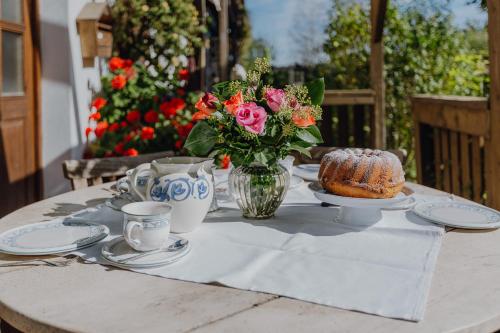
column 58, row 236
column 459, row 215
column 295, row 181
column 307, row 172
column 117, row 251
column 120, row 200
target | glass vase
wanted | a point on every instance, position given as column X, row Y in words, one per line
column 257, row 190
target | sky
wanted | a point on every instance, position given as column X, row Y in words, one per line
column 273, row 20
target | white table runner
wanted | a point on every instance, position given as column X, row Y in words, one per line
column 384, row 269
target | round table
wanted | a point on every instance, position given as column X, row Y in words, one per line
column 465, row 292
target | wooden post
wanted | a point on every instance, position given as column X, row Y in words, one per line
column 493, row 146
column 223, row 39
column 378, row 8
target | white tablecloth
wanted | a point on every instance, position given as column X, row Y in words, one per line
column 384, row 269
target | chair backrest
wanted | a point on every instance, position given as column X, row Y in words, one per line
column 318, row 152
column 83, row 173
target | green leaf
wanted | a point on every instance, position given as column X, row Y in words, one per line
column 261, row 158
column 310, row 134
column 314, row 130
column 201, row 139
column 300, row 149
column 316, row 90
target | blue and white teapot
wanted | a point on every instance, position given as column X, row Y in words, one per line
column 186, row 183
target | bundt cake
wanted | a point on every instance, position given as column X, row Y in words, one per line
column 361, row 173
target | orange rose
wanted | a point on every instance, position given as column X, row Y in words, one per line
column 303, row 117
column 205, row 106
column 233, row 103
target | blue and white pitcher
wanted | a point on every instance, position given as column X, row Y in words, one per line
column 186, row 183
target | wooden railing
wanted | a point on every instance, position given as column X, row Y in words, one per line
column 348, row 118
column 452, row 144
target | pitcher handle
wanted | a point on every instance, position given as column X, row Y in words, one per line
column 142, row 170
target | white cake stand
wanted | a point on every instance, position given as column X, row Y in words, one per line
column 362, row 211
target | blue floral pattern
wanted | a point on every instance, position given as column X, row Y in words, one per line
column 179, row 189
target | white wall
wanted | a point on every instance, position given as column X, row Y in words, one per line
column 65, row 95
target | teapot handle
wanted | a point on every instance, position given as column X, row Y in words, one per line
column 143, row 170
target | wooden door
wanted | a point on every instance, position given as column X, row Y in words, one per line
column 19, row 184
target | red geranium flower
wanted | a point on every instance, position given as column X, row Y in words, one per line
column 108, row 153
column 95, row 116
column 98, row 103
column 183, row 74
column 147, row 133
column 119, row 148
column 101, row 128
column 178, row 103
column 88, row 130
column 151, row 116
column 129, row 136
column 116, row 63
column 133, row 116
column 118, row 82
column 127, row 63
column 114, row 127
column 178, row 144
column 123, row 124
column 184, row 130
column 131, row 152
column 168, row 109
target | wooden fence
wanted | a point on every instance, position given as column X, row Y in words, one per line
column 452, row 139
column 348, row 118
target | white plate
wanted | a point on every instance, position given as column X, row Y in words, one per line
column 309, row 167
column 306, row 172
column 460, row 215
column 295, row 181
column 118, row 250
column 62, row 235
column 338, row 200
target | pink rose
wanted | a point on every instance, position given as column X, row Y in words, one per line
column 252, row 117
column 275, row 98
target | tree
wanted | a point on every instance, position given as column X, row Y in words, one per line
column 423, row 53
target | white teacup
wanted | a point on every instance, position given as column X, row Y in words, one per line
column 146, row 225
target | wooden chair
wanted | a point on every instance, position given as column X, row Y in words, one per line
column 83, row 173
column 318, row 152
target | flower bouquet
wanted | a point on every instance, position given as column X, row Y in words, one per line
column 257, row 125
